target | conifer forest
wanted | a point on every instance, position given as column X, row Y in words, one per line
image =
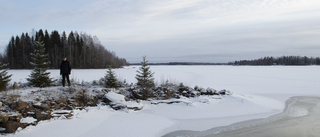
column 82, row 50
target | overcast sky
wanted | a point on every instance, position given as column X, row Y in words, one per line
column 176, row 30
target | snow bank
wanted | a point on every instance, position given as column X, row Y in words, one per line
column 28, row 120
column 118, row 100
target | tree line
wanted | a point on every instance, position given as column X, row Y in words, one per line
column 82, row 50
column 284, row 60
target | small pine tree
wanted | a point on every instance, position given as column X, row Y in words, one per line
column 145, row 78
column 4, row 77
column 110, row 79
column 39, row 77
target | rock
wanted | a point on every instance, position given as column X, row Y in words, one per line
column 126, row 99
column 56, row 106
column 170, row 102
column 18, row 105
column 15, row 117
column 114, row 98
column 62, row 101
column 29, row 111
column 118, row 106
column 210, row 91
column 21, row 105
column 68, row 107
column 12, row 126
column 135, row 108
column 4, row 117
column 222, row 92
column 71, row 101
column 60, row 113
column 38, row 99
column 41, row 106
column 93, row 102
column 203, row 92
column 69, row 115
column 116, row 101
column 185, row 93
column 42, row 115
column 194, row 94
column 15, row 85
column 196, row 87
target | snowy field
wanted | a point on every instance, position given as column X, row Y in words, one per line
column 259, row 92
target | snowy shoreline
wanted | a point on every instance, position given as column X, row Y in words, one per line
column 200, row 113
column 259, row 93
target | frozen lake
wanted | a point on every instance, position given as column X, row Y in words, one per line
column 261, row 80
column 299, row 119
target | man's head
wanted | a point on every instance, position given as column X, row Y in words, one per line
column 64, row 59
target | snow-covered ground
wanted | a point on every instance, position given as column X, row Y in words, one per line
column 259, row 92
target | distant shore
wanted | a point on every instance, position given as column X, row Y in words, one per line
column 208, row 63
column 184, row 63
column 299, row 119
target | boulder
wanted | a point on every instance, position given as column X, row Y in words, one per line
column 195, row 93
column 12, row 126
column 203, row 92
column 185, row 93
column 41, row 106
column 29, row 111
column 42, row 115
column 114, row 98
column 20, row 105
column 15, row 85
column 4, row 117
column 15, row 117
column 223, row 92
column 196, row 87
column 210, row 91
column 68, row 107
column 118, row 101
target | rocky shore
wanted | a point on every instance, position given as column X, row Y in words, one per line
column 20, row 108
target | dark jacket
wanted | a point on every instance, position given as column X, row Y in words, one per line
column 65, row 67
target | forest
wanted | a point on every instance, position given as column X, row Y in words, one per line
column 82, row 50
column 284, row 60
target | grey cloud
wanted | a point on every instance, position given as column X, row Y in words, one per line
column 215, row 30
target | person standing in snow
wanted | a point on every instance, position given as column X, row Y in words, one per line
column 65, row 71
